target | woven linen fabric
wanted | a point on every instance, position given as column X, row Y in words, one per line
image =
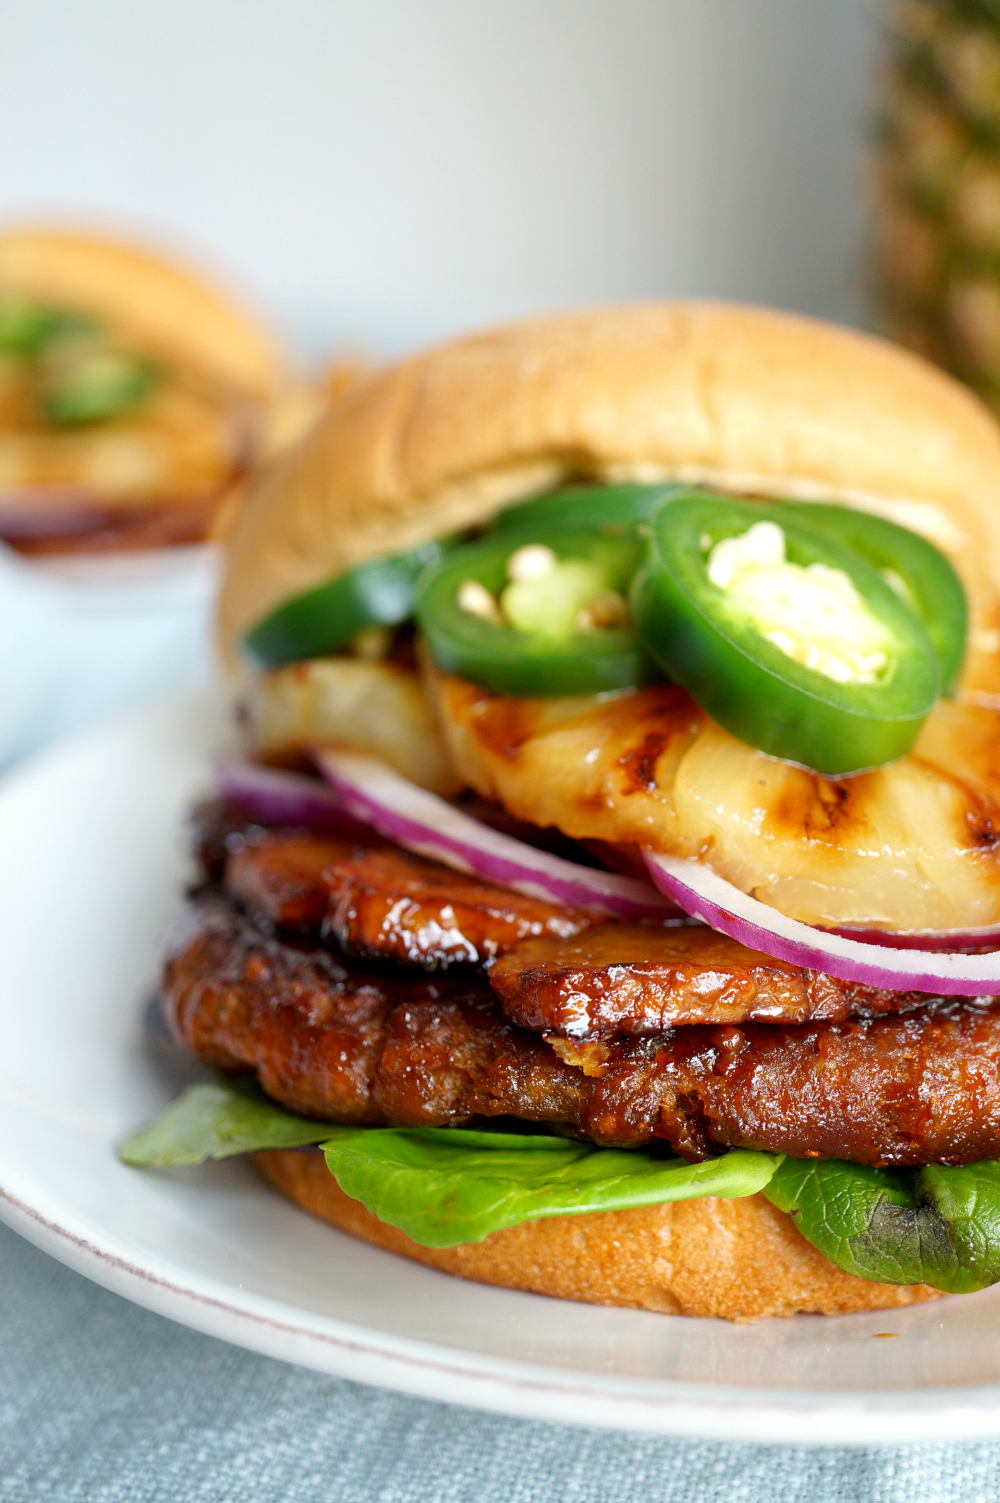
column 102, row 1402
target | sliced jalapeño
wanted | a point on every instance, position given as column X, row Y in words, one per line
column 791, row 639
column 541, row 618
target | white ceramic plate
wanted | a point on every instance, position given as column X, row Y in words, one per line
column 91, row 861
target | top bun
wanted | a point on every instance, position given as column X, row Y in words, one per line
column 743, row 398
column 159, row 307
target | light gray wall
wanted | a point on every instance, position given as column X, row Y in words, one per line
column 386, row 171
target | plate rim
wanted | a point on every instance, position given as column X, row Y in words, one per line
column 410, row 1365
column 420, row 1370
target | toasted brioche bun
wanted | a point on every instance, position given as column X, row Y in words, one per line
column 743, row 398
column 153, row 303
column 737, row 1259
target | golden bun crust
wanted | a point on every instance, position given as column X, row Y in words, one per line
column 149, row 299
column 737, row 1259
column 745, row 398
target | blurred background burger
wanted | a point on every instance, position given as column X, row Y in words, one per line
column 133, row 395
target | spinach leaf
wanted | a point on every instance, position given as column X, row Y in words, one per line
column 440, row 1185
column 968, row 1200
column 216, row 1119
column 443, row 1186
column 936, row 1225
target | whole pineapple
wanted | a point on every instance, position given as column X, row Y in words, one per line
column 938, row 184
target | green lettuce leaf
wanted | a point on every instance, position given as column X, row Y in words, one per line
column 446, row 1185
column 217, row 1119
column 441, row 1185
column 936, row 1225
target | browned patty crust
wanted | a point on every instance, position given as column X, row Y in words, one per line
column 385, row 904
column 643, row 978
column 389, row 905
column 338, row 1040
column 376, row 901
column 282, row 877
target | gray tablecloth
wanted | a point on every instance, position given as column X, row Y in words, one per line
column 102, row 1402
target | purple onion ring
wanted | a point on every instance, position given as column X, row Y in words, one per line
column 425, row 823
column 703, row 894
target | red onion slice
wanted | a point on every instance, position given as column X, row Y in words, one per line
column 46, row 510
column 422, row 822
column 987, row 938
column 283, row 798
column 703, row 894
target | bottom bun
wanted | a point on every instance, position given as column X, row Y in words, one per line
column 738, row 1259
